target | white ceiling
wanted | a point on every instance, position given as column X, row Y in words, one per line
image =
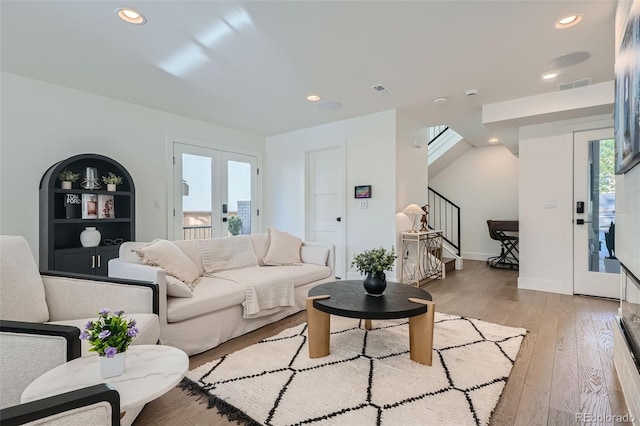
column 250, row 65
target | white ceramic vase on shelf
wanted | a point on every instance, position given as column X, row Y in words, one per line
column 66, row 184
column 90, row 237
column 111, row 187
column 112, row 367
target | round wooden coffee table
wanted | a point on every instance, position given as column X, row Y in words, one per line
column 349, row 299
column 150, row 371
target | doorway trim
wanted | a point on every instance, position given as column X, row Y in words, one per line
column 170, row 141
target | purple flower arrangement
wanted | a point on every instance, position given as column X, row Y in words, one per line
column 110, row 334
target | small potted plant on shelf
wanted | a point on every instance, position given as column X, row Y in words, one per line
column 374, row 263
column 68, row 177
column 112, row 180
column 110, row 336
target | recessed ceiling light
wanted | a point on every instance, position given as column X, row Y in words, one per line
column 131, row 16
column 313, row 98
column 440, row 100
column 550, row 75
column 494, row 140
column 568, row 21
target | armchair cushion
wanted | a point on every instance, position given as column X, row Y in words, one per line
column 97, row 405
column 23, row 297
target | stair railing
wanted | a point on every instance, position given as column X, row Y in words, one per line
column 436, row 131
column 444, row 215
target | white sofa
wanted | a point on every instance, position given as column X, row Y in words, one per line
column 214, row 312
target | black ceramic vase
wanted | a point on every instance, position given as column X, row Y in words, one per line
column 375, row 283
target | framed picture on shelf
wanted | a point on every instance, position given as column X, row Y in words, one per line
column 363, row 191
column 106, row 209
column 627, row 103
column 89, row 206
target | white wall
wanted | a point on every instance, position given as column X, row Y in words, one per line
column 42, row 124
column 546, row 176
column 628, row 219
column 371, row 157
column 484, row 183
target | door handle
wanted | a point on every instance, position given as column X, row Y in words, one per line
column 582, row 221
column 93, row 262
column 339, row 219
column 98, row 261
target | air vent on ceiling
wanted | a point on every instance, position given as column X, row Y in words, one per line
column 575, row 83
column 380, row 89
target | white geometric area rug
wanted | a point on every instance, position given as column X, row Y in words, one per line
column 368, row 379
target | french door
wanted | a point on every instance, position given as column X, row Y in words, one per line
column 596, row 270
column 215, row 193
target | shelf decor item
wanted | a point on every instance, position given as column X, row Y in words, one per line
column 106, row 207
column 90, row 237
column 68, row 177
column 111, row 181
column 374, row 263
column 415, row 210
column 90, row 180
column 72, row 205
column 110, row 336
column 89, row 206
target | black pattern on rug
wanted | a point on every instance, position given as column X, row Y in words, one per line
column 368, row 379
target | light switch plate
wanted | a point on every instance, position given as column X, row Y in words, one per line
column 364, row 204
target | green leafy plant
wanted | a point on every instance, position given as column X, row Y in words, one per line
column 110, row 333
column 112, row 179
column 235, row 225
column 374, row 260
column 68, row 175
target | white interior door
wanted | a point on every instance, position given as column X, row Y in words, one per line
column 212, row 188
column 596, row 271
column 325, row 203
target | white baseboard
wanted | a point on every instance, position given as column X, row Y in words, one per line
column 542, row 285
column 476, row 256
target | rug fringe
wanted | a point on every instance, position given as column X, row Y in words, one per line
column 223, row 407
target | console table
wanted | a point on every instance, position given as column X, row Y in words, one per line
column 421, row 257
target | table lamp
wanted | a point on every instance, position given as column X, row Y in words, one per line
column 415, row 210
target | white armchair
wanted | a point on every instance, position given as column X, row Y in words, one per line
column 97, row 405
column 41, row 315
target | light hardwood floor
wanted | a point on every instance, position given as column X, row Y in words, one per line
column 564, row 368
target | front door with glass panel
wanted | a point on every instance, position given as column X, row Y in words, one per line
column 596, row 268
column 215, row 193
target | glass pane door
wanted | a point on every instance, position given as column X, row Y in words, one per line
column 595, row 268
column 215, row 193
column 601, row 202
column 239, row 192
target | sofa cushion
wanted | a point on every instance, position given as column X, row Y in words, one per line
column 305, row 273
column 282, row 248
column 192, row 250
column 211, row 294
column 177, row 288
column 259, row 242
column 169, row 257
column 315, row 255
column 147, row 324
column 22, row 296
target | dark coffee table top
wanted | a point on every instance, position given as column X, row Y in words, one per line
column 349, row 299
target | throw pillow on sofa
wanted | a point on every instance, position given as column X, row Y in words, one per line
column 282, row 248
column 166, row 255
column 177, row 288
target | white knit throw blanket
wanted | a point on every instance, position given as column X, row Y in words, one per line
column 267, row 289
column 221, row 254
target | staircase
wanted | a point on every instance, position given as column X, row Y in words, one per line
column 445, row 146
